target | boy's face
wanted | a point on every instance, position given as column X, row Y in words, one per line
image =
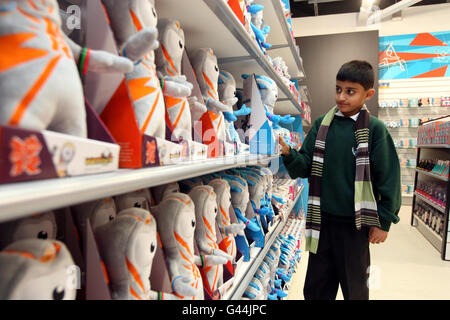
column 351, row 96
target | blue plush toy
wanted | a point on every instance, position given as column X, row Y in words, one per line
column 269, row 94
column 258, row 26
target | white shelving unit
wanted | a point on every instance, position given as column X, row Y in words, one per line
column 237, row 53
column 206, row 24
column 248, row 269
column 410, row 89
column 18, row 200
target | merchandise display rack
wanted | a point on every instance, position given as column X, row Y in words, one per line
column 399, row 101
column 226, row 16
column 21, row 199
column 248, row 269
column 440, row 241
column 237, row 53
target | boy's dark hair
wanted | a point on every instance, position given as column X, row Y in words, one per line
column 357, row 71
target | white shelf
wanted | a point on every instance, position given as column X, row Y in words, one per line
column 431, row 174
column 439, row 146
column 280, row 37
column 18, row 200
column 431, row 203
column 212, row 24
column 257, row 255
column 432, row 236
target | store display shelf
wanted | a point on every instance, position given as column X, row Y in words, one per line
column 22, row 199
column 434, row 175
column 248, row 269
column 231, row 22
column 439, row 146
column 406, row 108
column 434, row 238
column 407, row 195
column 428, row 201
column 280, row 36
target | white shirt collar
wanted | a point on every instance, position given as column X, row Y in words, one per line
column 354, row 117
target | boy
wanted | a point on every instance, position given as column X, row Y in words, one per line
column 355, row 190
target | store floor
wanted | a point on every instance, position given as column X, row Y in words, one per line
column 405, row 267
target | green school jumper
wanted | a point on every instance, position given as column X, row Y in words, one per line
column 338, row 179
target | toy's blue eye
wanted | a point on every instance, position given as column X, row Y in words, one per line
column 111, row 218
column 154, row 12
column 152, row 247
column 137, row 205
column 216, row 68
column 193, row 223
column 180, row 44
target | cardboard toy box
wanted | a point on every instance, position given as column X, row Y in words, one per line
column 33, row 155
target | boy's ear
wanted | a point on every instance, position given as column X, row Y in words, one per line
column 370, row 93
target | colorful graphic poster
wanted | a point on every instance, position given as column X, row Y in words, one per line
column 420, row 55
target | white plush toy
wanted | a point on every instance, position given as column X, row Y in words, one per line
column 176, row 222
column 36, row 269
column 133, row 23
column 206, row 211
column 255, row 290
column 239, row 200
column 127, row 246
column 268, row 90
column 38, row 226
column 160, row 192
column 223, row 219
column 227, row 94
column 207, row 72
column 138, row 199
column 187, row 184
column 99, row 212
column 260, row 29
column 168, row 62
column 254, row 211
column 41, row 87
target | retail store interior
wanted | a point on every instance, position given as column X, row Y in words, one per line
column 142, row 144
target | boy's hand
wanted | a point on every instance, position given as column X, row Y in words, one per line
column 284, row 146
column 376, row 235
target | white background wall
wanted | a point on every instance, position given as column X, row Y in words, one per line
column 431, row 18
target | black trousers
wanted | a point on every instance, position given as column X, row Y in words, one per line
column 342, row 258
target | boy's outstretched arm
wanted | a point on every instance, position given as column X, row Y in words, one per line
column 298, row 163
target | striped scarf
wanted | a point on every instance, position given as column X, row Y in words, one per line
column 365, row 204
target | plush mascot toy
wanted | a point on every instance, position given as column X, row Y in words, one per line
column 207, row 72
column 138, row 199
column 38, row 226
column 269, row 94
column 160, row 192
column 227, row 94
column 40, row 69
column 227, row 229
column 176, row 221
column 36, row 269
column 133, row 23
column 258, row 26
column 127, row 246
column 168, row 62
column 206, row 211
column 254, row 211
column 99, row 212
column 239, row 200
